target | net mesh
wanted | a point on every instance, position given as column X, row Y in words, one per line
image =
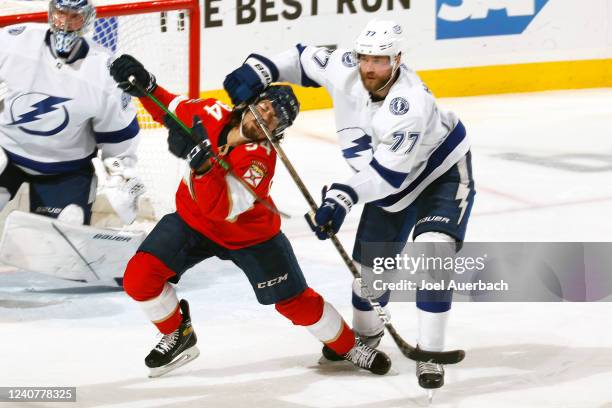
column 160, row 40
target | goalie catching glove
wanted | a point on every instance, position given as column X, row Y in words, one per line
column 184, row 146
column 123, row 188
column 127, row 66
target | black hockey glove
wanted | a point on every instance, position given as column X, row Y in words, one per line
column 182, row 145
column 126, row 66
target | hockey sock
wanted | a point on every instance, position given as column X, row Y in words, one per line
column 164, row 310
column 145, row 281
column 332, row 330
column 432, row 330
column 365, row 320
column 310, row 310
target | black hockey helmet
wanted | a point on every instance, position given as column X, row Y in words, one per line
column 286, row 106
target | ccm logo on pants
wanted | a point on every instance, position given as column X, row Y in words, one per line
column 272, row 282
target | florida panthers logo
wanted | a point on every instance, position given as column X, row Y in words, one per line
column 39, row 114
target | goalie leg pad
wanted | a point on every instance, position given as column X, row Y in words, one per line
column 3, row 160
column 5, row 197
column 72, row 214
column 41, row 244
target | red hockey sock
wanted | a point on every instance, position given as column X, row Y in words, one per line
column 171, row 323
column 344, row 342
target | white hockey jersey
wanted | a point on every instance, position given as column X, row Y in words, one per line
column 55, row 115
column 397, row 146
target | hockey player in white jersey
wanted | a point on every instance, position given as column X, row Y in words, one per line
column 60, row 106
column 411, row 161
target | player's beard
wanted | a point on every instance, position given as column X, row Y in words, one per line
column 252, row 132
column 373, row 83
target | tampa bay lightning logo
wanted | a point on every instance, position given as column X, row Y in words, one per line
column 348, row 60
column 39, row 114
column 399, row 106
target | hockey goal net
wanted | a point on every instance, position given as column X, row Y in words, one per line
column 165, row 36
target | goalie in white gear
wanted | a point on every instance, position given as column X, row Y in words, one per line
column 411, row 161
column 60, row 107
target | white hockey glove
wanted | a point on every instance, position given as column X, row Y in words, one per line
column 123, row 188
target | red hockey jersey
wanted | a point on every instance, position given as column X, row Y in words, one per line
column 217, row 205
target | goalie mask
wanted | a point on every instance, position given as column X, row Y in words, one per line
column 69, row 20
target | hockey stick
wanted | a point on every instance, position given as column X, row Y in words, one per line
column 218, row 159
column 413, row 353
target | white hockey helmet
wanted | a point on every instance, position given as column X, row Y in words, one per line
column 63, row 14
column 380, row 37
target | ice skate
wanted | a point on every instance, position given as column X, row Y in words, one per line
column 371, row 341
column 366, row 357
column 430, row 375
column 175, row 349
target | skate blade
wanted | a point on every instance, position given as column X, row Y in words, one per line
column 430, row 395
column 185, row 357
column 326, row 361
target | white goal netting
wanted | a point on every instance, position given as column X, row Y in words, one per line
column 160, row 40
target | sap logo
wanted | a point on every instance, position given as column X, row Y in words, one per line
column 39, row 114
column 479, row 18
column 272, row 282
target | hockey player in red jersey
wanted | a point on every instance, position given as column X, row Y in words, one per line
column 217, row 215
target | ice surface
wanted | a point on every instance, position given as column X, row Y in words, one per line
column 542, row 165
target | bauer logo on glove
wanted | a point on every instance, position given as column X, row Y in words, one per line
column 337, row 202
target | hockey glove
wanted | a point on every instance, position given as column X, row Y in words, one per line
column 246, row 82
column 126, row 66
column 183, row 145
column 337, row 202
column 122, row 188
